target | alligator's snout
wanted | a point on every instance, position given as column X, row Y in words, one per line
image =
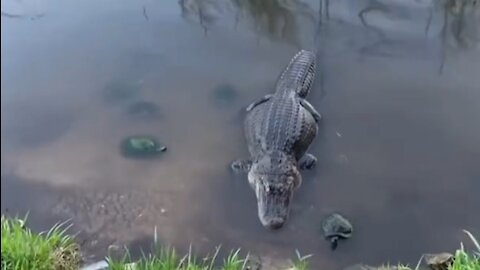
column 273, row 204
column 274, row 179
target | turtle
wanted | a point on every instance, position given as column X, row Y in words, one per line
column 118, row 91
column 336, row 227
column 142, row 146
column 440, row 261
column 224, row 94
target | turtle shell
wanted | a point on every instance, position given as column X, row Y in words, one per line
column 440, row 261
column 335, row 225
column 141, row 146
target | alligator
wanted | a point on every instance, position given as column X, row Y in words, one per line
column 279, row 129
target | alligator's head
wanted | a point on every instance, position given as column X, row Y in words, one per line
column 274, row 181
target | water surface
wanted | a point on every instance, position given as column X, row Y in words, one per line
column 398, row 149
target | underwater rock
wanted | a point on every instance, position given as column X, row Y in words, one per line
column 253, row 263
column 101, row 265
column 336, row 227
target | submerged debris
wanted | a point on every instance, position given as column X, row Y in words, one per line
column 117, row 91
column 143, row 109
column 336, row 227
column 368, row 267
column 145, row 13
column 141, row 146
column 101, row 265
column 18, row 16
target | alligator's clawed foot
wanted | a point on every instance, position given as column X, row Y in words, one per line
column 307, row 162
column 241, row 165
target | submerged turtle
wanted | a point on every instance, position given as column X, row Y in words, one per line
column 224, row 94
column 120, row 90
column 336, row 227
column 440, row 261
column 141, row 146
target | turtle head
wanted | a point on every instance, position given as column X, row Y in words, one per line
column 274, row 180
column 333, row 242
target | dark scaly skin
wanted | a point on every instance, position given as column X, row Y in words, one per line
column 279, row 129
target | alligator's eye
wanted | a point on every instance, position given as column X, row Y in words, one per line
column 291, row 181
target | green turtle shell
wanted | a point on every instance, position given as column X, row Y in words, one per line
column 141, row 146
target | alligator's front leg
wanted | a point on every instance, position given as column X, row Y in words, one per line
column 309, row 107
column 307, row 162
column 241, row 165
column 258, row 102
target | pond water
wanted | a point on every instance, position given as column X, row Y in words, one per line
column 398, row 150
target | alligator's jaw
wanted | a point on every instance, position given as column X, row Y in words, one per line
column 273, row 207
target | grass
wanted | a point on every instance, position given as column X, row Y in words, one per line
column 467, row 261
column 21, row 249
column 301, row 263
column 168, row 259
column 462, row 260
column 24, row 250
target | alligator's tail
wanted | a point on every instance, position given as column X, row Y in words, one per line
column 299, row 74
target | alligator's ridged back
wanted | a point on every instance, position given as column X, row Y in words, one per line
column 299, row 74
column 283, row 124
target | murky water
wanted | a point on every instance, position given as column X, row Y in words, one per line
column 398, row 150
